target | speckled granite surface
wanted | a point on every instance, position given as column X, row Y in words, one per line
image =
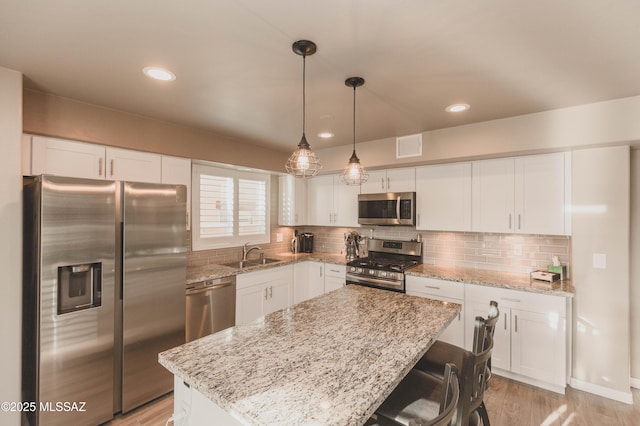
column 330, row 360
column 493, row 278
column 214, row 271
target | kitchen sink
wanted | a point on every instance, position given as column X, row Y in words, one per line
column 251, row 262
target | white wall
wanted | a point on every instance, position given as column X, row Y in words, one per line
column 635, row 267
column 602, row 123
column 601, row 225
column 11, row 232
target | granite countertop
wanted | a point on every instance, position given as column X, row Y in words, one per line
column 330, row 360
column 213, row 271
column 508, row 280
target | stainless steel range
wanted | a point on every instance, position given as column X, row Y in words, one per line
column 385, row 265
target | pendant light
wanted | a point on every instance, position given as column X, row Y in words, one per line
column 354, row 173
column 303, row 163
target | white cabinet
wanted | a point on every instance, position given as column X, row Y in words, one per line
column 61, row 157
column 292, row 197
column 312, row 278
column 177, row 171
column 443, row 197
column 446, row 291
column 332, row 203
column 263, row 292
column 521, row 195
column 531, row 336
column 392, row 180
column 335, row 276
column 308, row 280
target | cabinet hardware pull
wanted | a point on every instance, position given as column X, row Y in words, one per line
column 388, row 182
column 271, row 292
column 509, row 220
column 516, row 318
column 265, row 293
column 321, row 271
column 458, row 316
column 510, row 300
column 112, row 167
column 382, row 183
column 100, row 166
column 418, row 219
column 433, row 287
column 519, row 221
column 334, row 270
column 505, row 320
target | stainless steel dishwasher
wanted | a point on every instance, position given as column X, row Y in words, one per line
column 211, row 307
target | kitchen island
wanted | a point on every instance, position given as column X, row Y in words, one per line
column 330, row 360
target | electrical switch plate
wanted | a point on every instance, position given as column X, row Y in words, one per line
column 279, row 237
column 599, row 261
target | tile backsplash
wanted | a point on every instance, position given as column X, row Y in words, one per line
column 501, row 252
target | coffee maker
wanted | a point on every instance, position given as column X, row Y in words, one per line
column 306, row 242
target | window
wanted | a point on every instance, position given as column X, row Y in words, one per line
column 231, row 207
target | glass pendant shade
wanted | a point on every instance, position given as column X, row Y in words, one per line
column 303, row 163
column 354, row 173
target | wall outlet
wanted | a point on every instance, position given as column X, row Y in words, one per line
column 279, row 237
column 599, row 261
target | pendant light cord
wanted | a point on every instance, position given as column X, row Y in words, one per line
column 304, row 99
column 354, row 119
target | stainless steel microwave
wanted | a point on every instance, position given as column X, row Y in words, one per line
column 389, row 208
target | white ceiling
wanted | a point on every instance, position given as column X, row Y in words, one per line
column 237, row 75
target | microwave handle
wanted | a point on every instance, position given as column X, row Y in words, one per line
column 398, row 208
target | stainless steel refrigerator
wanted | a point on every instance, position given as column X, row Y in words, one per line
column 104, row 288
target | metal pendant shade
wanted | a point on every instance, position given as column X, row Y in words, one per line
column 354, row 173
column 303, row 163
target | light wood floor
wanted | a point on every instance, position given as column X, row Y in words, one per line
column 509, row 403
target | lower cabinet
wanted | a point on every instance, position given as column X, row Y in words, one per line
column 313, row 278
column 335, row 276
column 446, row 291
column 262, row 292
column 531, row 336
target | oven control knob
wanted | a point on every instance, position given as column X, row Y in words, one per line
column 372, row 271
column 382, row 274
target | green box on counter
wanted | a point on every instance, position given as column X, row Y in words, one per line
column 562, row 270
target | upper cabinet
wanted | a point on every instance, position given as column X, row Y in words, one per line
column 332, row 203
column 392, row 180
column 292, row 197
column 522, row 195
column 443, row 197
column 43, row 155
column 177, row 171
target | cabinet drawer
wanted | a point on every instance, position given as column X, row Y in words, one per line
column 533, row 302
column 333, row 270
column 248, row 279
column 434, row 287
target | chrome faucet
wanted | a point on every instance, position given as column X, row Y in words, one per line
column 246, row 250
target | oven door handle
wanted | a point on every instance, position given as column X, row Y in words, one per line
column 370, row 280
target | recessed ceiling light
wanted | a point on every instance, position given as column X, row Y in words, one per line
column 325, row 135
column 457, row 107
column 159, row 74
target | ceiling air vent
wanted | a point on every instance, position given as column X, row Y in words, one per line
column 409, row 146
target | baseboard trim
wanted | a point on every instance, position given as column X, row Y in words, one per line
column 635, row 383
column 625, row 397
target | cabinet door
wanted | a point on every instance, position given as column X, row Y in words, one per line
column 321, row 201
column 250, row 303
column 135, row 166
column 376, row 183
column 443, row 197
column 401, row 180
column 66, row 158
column 501, row 354
column 177, row 171
column 301, row 282
column 279, row 295
column 539, row 194
column 345, row 204
column 292, row 199
column 333, row 283
column 493, row 195
column 538, row 346
column 316, row 279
